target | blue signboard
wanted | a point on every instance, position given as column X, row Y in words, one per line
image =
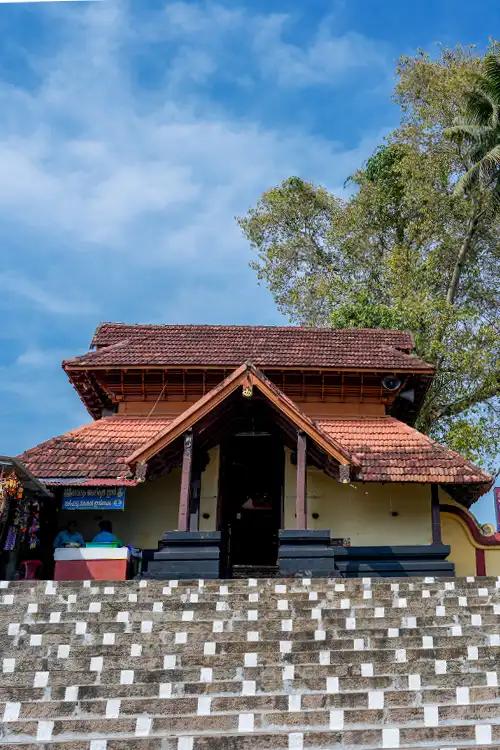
column 94, row 498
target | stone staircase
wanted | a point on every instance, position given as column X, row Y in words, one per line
column 251, row 664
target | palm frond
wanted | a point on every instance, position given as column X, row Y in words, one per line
column 478, row 131
column 467, row 180
column 479, row 105
column 465, row 129
column 492, row 75
column 489, row 165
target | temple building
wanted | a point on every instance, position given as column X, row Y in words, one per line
column 247, row 450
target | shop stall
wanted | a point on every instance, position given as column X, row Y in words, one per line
column 89, row 560
column 26, row 508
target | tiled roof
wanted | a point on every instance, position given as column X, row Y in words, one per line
column 390, row 451
column 120, row 345
column 98, row 449
column 386, row 449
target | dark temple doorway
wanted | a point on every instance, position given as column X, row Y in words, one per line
column 251, row 491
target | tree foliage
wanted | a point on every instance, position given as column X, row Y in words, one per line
column 415, row 246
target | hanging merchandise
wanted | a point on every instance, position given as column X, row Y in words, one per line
column 3, row 501
column 23, row 514
column 10, row 490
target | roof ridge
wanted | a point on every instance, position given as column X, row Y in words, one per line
column 265, row 326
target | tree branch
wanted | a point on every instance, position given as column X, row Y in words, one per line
column 483, row 393
column 461, row 258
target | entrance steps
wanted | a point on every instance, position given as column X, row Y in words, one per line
column 251, row 664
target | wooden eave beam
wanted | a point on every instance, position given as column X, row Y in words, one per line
column 429, row 371
column 189, row 417
column 88, row 389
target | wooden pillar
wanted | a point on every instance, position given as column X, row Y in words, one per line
column 187, row 465
column 436, row 515
column 301, row 494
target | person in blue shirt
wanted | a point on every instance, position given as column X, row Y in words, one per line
column 69, row 536
column 105, row 535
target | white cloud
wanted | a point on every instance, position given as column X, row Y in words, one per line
column 187, row 19
column 98, row 161
column 327, row 60
column 53, row 302
column 34, row 357
column 118, row 199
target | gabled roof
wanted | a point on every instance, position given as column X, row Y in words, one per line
column 123, row 345
column 245, row 375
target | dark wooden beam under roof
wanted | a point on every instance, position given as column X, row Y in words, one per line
column 104, row 387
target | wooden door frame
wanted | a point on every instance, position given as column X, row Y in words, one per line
column 222, row 500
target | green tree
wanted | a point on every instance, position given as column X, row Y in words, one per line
column 415, row 246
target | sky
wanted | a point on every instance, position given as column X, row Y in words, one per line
column 133, row 132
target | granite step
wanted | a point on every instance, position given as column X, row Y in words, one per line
column 308, row 679
column 452, row 704
column 292, row 741
column 246, row 731
column 268, row 663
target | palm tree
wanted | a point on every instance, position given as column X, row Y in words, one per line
column 477, row 134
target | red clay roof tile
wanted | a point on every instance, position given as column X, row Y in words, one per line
column 390, row 451
column 119, row 345
column 386, row 449
column 96, row 450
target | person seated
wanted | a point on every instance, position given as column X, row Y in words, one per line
column 69, row 536
column 106, row 536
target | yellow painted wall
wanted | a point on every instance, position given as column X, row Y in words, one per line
column 493, row 562
column 463, row 553
column 150, row 509
column 362, row 511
